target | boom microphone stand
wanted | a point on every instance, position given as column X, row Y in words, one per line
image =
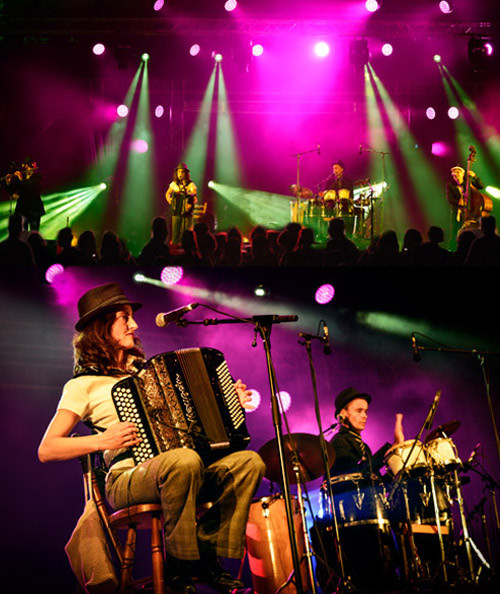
column 297, row 187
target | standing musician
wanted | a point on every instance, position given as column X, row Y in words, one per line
column 106, row 350
column 462, row 210
column 182, row 196
column 24, row 185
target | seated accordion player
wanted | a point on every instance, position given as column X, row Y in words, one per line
column 184, row 398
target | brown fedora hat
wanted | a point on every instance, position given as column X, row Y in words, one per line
column 100, row 300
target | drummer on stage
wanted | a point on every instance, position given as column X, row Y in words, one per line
column 338, row 181
column 352, row 454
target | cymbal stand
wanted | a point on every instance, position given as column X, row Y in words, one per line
column 468, row 542
column 345, row 582
column 263, row 325
column 382, row 154
column 297, row 188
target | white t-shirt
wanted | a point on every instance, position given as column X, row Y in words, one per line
column 89, row 396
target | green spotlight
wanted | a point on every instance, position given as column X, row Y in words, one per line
column 102, row 186
column 492, row 191
column 437, row 58
column 211, row 184
column 145, row 57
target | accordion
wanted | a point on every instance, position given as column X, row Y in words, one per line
column 183, row 399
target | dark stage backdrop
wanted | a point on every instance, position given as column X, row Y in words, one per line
column 370, row 321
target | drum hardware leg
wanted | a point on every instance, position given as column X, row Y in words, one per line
column 468, row 542
column 416, row 562
column 438, row 524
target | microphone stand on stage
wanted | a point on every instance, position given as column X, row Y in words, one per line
column 384, row 185
column 297, row 188
column 263, row 325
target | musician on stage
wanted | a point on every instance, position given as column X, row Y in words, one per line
column 352, row 454
column 338, row 181
column 106, row 349
column 182, row 196
column 461, row 212
column 24, row 185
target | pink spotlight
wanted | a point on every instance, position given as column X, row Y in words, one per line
column 122, row 110
column 158, row 5
column 430, row 112
column 453, row 113
column 324, row 294
column 321, row 49
column 139, row 145
column 53, row 272
column 489, row 48
column 387, row 49
column 159, row 111
column 445, row 7
column 194, row 50
column 372, row 5
column 230, row 5
column 257, row 50
column 440, row 149
column 171, row 275
column 98, row 49
column 254, row 401
column 284, row 401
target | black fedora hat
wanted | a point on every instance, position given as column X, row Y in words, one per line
column 182, row 166
column 347, row 396
column 99, row 300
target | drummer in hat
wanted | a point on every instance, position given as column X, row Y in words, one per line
column 182, row 196
column 352, row 454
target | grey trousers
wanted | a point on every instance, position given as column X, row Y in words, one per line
column 179, row 481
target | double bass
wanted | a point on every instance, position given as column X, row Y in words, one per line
column 473, row 203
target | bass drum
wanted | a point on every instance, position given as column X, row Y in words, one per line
column 268, row 544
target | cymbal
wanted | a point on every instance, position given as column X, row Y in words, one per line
column 362, row 182
column 444, row 429
column 310, row 459
column 302, row 192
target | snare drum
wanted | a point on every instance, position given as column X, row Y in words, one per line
column 358, row 501
column 396, row 457
column 443, row 453
column 268, row 544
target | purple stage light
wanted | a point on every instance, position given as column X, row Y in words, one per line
column 257, row 50
column 171, row 275
column 139, row 145
column 230, row 5
column 372, row 5
column 430, row 112
column 158, row 5
column 440, row 149
column 194, row 50
column 98, row 49
column 254, row 401
column 284, row 401
column 489, row 48
column 453, row 113
column 387, row 49
column 159, row 111
column 122, row 110
column 53, row 272
column 324, row 294
column 321, row 49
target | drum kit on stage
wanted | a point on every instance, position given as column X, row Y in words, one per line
column 316, row 210
column 403, row 528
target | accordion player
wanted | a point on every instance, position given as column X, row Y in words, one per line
column 184, row 398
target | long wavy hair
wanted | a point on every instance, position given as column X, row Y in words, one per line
column 187, row 181
column 94, row 347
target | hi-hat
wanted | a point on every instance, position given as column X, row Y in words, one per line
column 309, row 457
column 302, row 192
column 446, row 429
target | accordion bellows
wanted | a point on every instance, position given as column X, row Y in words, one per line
column 183, row 398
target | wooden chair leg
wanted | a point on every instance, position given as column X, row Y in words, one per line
column 128, row 558
column 157, row 557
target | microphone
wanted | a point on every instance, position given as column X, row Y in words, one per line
column 319, row 151
column 326, row 341
column 164, row 319
column 473, row 454
column 416, row 354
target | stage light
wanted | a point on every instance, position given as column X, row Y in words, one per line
column 145, row 57
column 159, row 111
column 139, row 145
column 158, row 5
column 261, row 291
column 479, row 51
column 230, row 5
column 194, row 50
column 99, row 49
column 171, row 275
column 102, row 186
column 437, row 58
column 257, row 50
column 445, row 7
column 218, row 57
column 453, row 113
column 53, row 272
column 430, row 112
column 122, row 110
column 284, row 401
column 321, row 49
column 493, row 192
column 372, row 5
column 387, row 49
column 324, row 294
column 359, row 54
column 211, row 184
column 440, row 149
column 254, row 401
